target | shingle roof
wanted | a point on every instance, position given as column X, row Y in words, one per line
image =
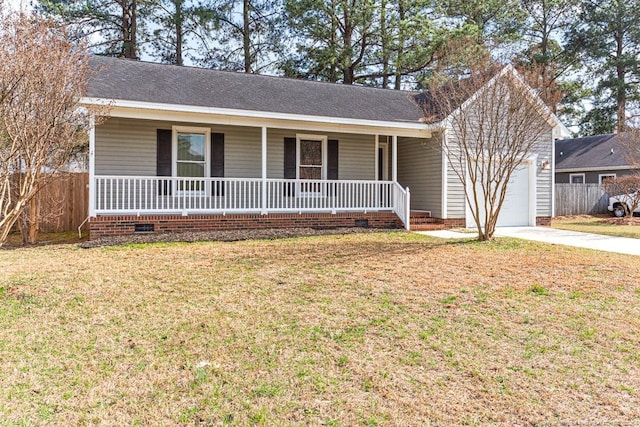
column 590, row 152
column 123, row 79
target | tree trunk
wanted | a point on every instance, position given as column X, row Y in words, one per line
column 621, row 99
column 179, row 32
column 246, row 35
column 333, row 69
column 385, row 44
column 129, row 29
column 347, row 64
column 399, row 58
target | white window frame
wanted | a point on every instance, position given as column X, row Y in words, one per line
column 207, row 155
column 324, row 141
column 605, row 175
column 571, row 175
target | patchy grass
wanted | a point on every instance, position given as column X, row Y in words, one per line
column 15, row 239
column 372, row 329
column 622, row 227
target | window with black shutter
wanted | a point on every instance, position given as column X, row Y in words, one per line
column 163, row 159
column 310, row 157
column 217, row 163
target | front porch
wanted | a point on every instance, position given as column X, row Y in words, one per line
column 240, row 177
column 240, row 201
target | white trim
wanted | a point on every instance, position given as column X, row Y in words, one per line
column 584, row 180
column 553, row 179
column 253, row 114
column 175, row 130
column 264, row 170
column 597, row 169
column 533, row 189
column 605, row 175
column 308, row 137
column 394, row 158
column 445, row 176
column 376, row 144
column 559, row 129
column 92, row 168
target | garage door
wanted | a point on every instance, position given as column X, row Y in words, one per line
column 515, row 209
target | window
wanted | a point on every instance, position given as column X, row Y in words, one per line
column 191, row 156
column 311, row 161
column 605, row 176
column 576, row 178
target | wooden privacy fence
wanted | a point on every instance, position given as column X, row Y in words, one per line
column 63, row 203
column 580, row 199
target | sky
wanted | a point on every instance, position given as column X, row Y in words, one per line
column 16, row 4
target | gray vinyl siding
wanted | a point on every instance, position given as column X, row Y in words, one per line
column 356, row 154
column 420, row 169
column 591, row 177
column 544, row 177
column 456, row 203
column 128, row 147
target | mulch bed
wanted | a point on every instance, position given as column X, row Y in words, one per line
column 227, row 235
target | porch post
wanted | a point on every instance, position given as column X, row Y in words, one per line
column 92, row 168
column 264, row 170
column 394, row 161
column 377, row 163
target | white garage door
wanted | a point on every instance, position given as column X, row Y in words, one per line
column 515, row 209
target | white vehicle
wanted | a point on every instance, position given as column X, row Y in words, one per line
column 616, row 206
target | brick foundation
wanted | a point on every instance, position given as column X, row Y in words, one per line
column 106, row 226
column 543, row 221
column 454, row 222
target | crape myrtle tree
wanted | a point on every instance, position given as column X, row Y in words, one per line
column 43, row 75
column 626, row 190
column 494, row 125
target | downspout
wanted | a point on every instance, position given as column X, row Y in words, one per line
column 92, row 168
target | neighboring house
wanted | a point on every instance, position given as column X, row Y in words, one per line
column 194, row 149
column 591, row 159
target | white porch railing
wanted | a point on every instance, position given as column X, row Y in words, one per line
column 161, row 195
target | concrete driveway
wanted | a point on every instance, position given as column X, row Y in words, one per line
column 623, row 245
column 554, row 236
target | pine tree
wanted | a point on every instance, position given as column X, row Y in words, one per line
column 607, row 40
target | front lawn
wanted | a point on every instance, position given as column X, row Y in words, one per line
column 372, row 329
column 621, row 227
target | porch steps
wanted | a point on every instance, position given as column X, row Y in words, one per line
column 422, row 221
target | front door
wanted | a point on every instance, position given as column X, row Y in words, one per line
column 383, row 162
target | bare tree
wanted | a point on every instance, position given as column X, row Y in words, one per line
column 630, row 143
column 626, row 191
column 495, row 124
column 42, row 77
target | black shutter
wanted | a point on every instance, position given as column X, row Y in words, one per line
column 289, row 164
column 163, row 159
column 332, row 165
column 332, row 159
column 217, row 162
